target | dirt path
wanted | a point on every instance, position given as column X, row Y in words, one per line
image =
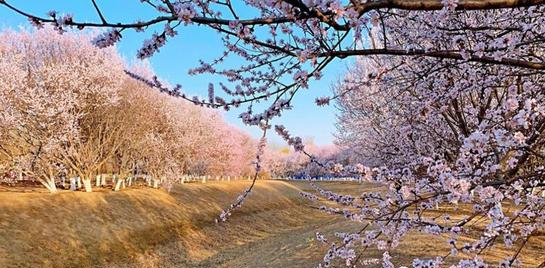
column 296, row 247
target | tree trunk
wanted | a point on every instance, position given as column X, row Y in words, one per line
column 97, row 180
column 130, row 182
column 49, row 184
column 52, row 186
column 73, row 185
column 155, row 183
column 87, row 185
column 78, row 182
column 102, row 180
column 117, row 185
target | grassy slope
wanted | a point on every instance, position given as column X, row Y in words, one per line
column 75, row 229
column 150, row 228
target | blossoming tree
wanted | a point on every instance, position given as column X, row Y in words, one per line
column 458, row 118
column 50, row 88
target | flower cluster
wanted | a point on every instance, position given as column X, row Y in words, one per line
column 106, row 39
column 323, row 101
column 296, row 142
column 185, row 11
column 151, row 46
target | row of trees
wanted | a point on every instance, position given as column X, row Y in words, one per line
column 68, row 109
column 286, row 162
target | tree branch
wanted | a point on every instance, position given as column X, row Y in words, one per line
column 438, row 5
column 98, row 11
column 435, row 54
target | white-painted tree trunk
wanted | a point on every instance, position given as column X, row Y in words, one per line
column 130, row 181
column 78, row 182
column 97, row 181
column 155, row 183
column 118, row 185
column 73, row 184
column 87, row 185
column 49, row 184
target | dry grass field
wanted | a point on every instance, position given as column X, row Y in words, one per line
column 145, row 227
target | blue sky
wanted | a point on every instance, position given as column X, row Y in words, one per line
column 183, row 52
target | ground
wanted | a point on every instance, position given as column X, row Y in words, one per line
column 143, row 227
